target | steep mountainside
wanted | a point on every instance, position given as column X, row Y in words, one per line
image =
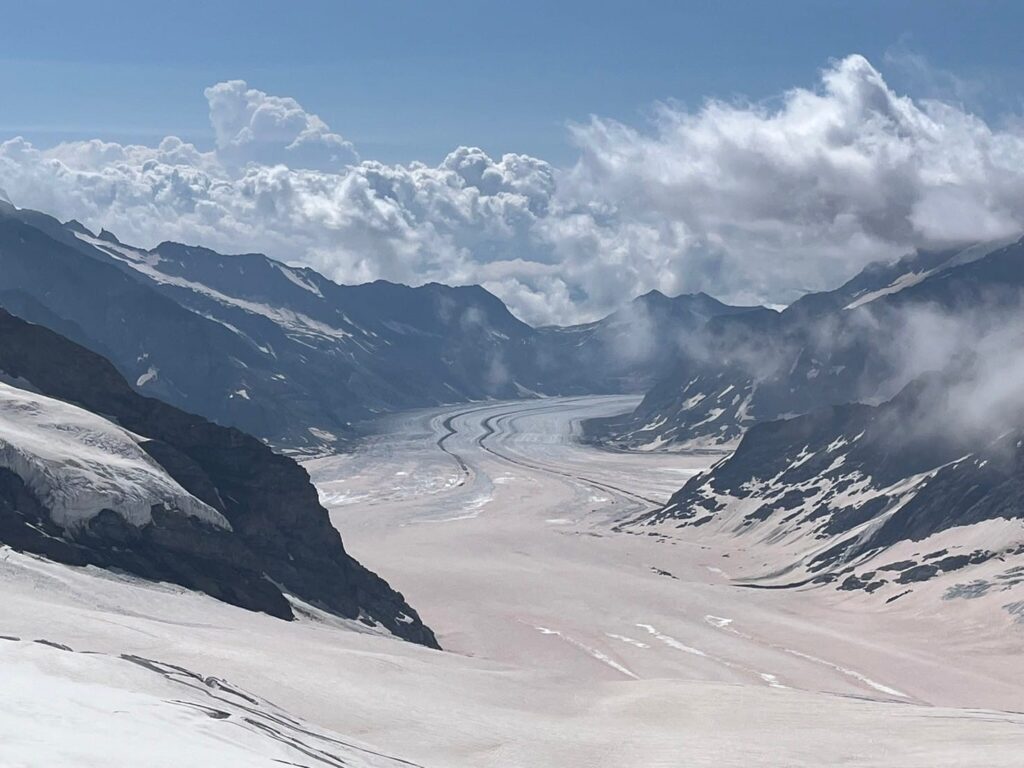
column 279, row 352
column 859, row 343
column 295, row 359
column 92, row 473
column 868, row 497
column 628, row 350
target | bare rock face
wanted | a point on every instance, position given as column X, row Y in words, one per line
column 834, row 490
column 281, row 539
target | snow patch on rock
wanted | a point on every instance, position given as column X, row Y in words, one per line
column 78, row 464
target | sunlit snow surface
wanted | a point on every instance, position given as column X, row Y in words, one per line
column 569, row 642
column 66, row 709
column 78, row 464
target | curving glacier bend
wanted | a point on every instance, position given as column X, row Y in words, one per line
column 571, row 637
column 514, row 538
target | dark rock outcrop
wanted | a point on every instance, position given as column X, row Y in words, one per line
column 852, row 481
column 281, row 539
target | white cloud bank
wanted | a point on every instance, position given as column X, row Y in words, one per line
column 751, row 202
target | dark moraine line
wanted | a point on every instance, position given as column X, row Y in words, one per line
column 451, row 431
column 259, row 714
column 489, row 431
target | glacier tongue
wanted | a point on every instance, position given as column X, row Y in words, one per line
column 78, row 464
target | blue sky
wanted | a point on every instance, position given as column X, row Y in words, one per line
column 411, row 80
column 752, row 150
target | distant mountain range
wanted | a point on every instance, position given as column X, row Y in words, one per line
column 295, row 359
column 859, row 343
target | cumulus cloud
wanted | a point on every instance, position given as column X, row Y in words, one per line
column 251, row 126
column 768, row 200
column 750, row 202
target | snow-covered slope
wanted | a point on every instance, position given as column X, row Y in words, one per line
column 861, row 497
column 542, row 607
column 78, row 464
column 93, row 473
column 707, row 412
column 280, row 352
column 881, row 280
column 65, row 709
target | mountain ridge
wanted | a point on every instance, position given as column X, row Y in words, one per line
column 865, row 498
column 858, row 343
column 286, row 354
column 278, row 540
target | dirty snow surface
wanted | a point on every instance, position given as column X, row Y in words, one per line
column 570, row 641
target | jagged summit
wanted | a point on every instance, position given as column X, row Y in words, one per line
column 74, row 225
